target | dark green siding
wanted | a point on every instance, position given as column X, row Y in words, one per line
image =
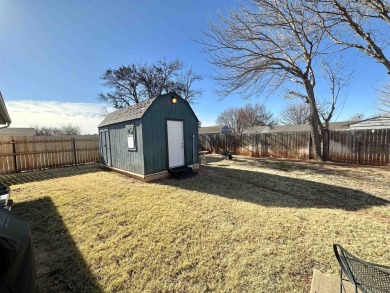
column 151, row 155
column 121, row 157
column 154, row 123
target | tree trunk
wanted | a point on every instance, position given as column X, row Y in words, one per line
column 315, row 122
column 325, row 144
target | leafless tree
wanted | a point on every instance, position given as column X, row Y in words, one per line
column 295, row 113
column 356, row 117
column 64, row 130
column 336, row 82
column 256, row 115
column 383, row 100
column 184, row 85
column 135, row 83
column 239, row 119
column 360, row 24
column 267, row 45
column 104, row 111
column 125, row 85
column 231, row 118
column 159, row 78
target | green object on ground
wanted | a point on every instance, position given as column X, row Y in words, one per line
column 17, row 270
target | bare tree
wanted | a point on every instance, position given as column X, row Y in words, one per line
column 70, row 130
column 363, row 25
column 135, row 83
column 295, row 113
column 184, row 85
column 64, row 130
column 231, row 118
column 256, row 115
column 270, row 44
column 125, row 85
column 239, row 119
column 383, row 100
column 159, row 78
column 356, row 117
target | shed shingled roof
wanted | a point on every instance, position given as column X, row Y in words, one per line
column 4, row 116
column 129, row 113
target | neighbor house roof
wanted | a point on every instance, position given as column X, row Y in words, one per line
column 292, row 128
column 129, row 113
column 257, row 129
column 214, row 130
column 377, row 122
column 4, row 116
column 17, row 131
column 306, row 127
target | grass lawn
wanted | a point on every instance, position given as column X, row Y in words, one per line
column 246, row 225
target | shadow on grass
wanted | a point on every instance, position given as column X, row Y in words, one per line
column 51, row 173
column 275, row 190
column 307, row 166
column 60, row 266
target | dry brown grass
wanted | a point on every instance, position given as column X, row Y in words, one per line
column 239, row 226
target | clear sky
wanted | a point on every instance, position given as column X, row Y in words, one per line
column 53, row 52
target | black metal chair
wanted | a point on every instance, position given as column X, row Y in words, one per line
column 365, row 276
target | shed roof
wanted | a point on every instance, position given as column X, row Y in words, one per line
column 4, row 116
column 137, row 111
column 129, row 113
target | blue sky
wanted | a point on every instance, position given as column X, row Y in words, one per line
column 53, row 52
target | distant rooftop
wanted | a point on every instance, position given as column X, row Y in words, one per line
column 214, row 129
column 278, row 128
column 306, row 127
column 17, row 131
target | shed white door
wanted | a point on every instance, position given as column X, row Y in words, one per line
column 175, row 143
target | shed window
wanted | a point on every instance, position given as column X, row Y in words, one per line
column 131, row 137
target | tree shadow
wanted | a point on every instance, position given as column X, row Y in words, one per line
column 46, row 174
column 274, row 190
column 60, row 266
column 308, row 166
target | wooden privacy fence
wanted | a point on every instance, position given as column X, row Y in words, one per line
column 20, row 153
column 281, row 144
column 369, row 147
column 366, row 147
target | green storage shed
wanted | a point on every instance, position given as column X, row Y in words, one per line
column 148, row 139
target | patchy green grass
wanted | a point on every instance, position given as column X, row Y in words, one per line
column 244, row 225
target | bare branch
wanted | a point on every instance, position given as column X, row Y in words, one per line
column 296, row 113
column 383, row 100
column 362, row 25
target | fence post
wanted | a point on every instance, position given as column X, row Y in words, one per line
column 74, row 151
column 14, row 155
